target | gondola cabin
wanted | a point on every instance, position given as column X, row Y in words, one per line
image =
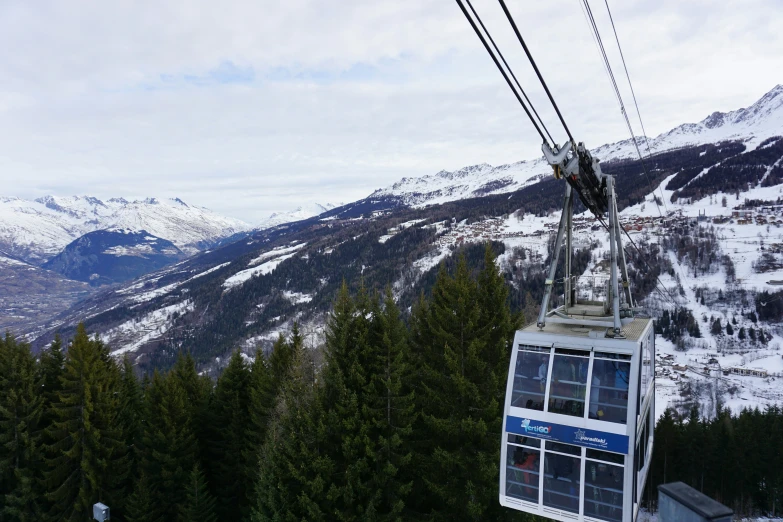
column 578, row 421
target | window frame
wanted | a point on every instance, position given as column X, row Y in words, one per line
column 589, row 356
column 539, row 349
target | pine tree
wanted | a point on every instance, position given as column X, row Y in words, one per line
column 199, row 504
column 51, row 367
column 129, row 420
column 198, row 393
column 459, row 338
column 169, row 445
column 390, row 405
column 20, row 413
column 717, row 328
column 86, row 455
column 293, row 474
column 340, row 401
column 264, row 387
column 228, row 421
column 139, row 507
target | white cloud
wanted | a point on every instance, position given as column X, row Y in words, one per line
column 251, row 107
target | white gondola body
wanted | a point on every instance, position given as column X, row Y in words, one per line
column 578, row 422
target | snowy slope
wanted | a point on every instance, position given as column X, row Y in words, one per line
column 302, row 212
column 752, row 125
column 37, row 230
column 468, row 182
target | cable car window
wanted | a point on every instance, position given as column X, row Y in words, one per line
column 564, row 448
column 569, row 382
column 603, row 491
column 647, row 370
column 530, row 378
column 524, row 441
column 609, row 391
column 561, row 481
column 641, row 448
column 522, row 469
column 614, row 458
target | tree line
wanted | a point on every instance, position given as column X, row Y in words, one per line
column 735, row 459
column 400, row 422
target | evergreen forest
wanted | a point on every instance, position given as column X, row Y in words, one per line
column 398, row 419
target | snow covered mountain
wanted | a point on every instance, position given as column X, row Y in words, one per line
column 34, row 231
column 302, row 212
column 751, row 125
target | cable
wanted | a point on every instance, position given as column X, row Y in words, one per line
column 502, row 71
column 535, row 67
column 608, row 67
column 478, row 18
column 633, row 94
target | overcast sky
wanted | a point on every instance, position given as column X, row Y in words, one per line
column 258, row 106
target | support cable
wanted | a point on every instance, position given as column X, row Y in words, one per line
column 497, row 50
column 607, row 65
column 500, row 68
column 633, row 94
column 535, row 67
column 591, row 21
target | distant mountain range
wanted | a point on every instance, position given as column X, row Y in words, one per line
column 35, row 231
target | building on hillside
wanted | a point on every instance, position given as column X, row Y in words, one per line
column 748, row 372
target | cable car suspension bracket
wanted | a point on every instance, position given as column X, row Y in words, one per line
column 596, row 191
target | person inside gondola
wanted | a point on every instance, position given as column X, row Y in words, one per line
column 621, row 381
column 542, row 371
column 595, row 411
column 527, row 461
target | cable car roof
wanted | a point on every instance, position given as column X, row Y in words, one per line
column 632, row 331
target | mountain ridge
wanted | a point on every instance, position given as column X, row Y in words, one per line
column 751, row 125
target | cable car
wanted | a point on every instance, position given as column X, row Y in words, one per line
column 580, row 400
column 579, row 410
column 578, row 421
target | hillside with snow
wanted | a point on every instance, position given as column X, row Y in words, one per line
column 37, row 230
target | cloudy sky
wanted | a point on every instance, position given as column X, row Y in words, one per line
column 258, row 106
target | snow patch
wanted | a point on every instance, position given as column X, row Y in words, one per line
column 133, row 334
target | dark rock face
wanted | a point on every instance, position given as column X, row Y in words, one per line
column 112, row 256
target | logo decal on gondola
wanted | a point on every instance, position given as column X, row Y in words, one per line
column 535, row 429
column 581, row 436
column 601, row 440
